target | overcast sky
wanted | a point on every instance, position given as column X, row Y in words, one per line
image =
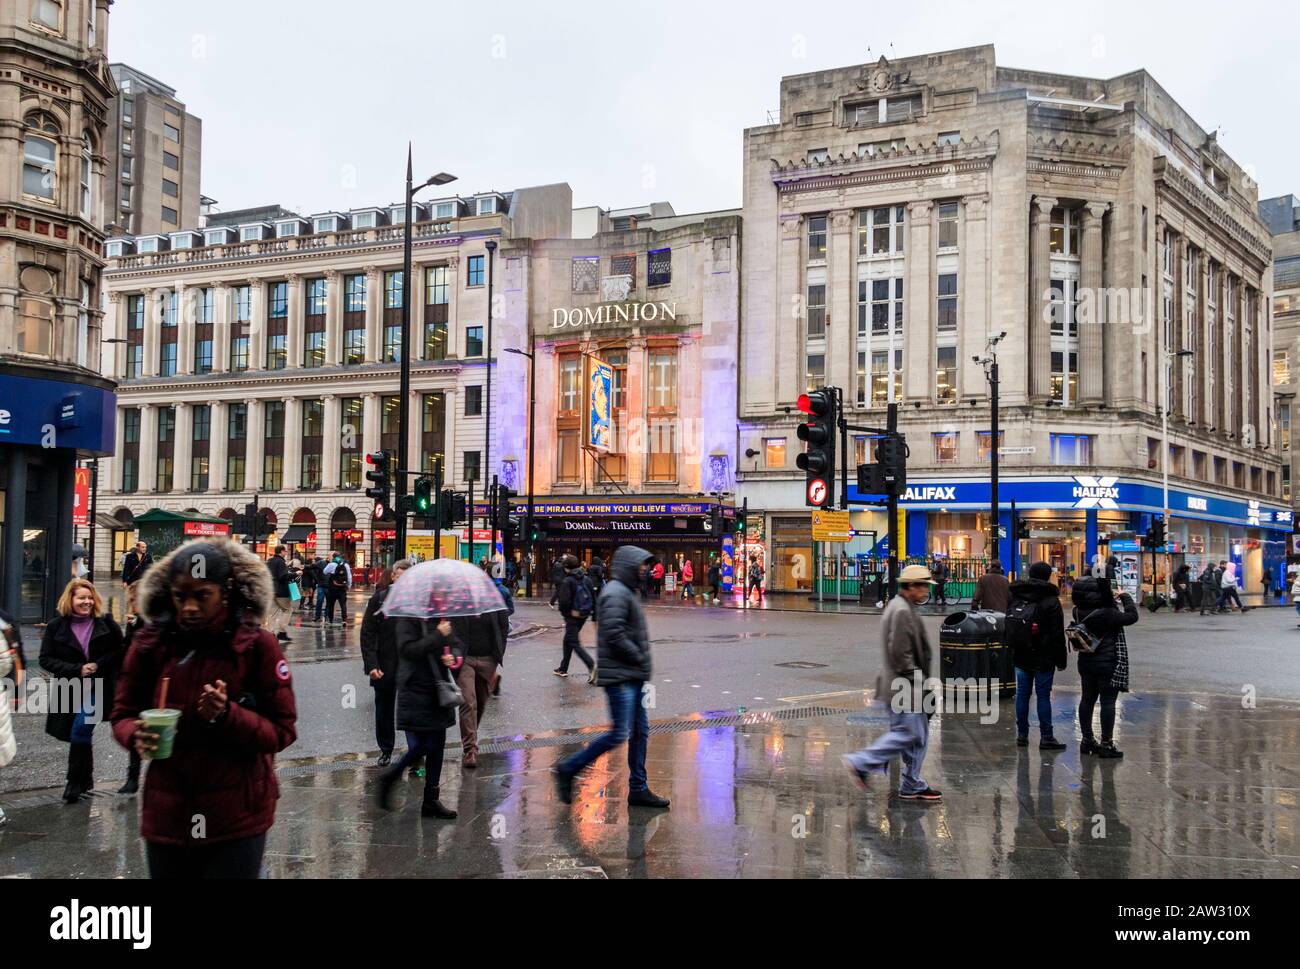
column 310, row 105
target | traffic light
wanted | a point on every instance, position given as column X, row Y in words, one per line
column 1024, row 530
column 891, row 455
column 458, row 511
column 380, row 484
column 818, row 433
column 740, row 525
column 503, row 497
column 1156, row 534
column 713, row 524
column 444, row 509
column 536, row 532
column 423, row 496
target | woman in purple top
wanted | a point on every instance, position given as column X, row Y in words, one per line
column 82, row 646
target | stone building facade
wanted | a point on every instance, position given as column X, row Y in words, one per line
column 900, row 215
column 264, row 359
column 1282, row 215
column 55, row 408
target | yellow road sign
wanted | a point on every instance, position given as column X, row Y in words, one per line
column 831, row 526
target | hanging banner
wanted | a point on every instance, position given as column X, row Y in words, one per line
column 81, row 496
column 600, row 432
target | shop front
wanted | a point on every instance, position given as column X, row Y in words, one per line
column 676, row 531
column 165, row 531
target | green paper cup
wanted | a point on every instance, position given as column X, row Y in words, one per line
column 163, row 723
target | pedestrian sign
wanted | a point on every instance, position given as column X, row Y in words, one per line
column 831, row 526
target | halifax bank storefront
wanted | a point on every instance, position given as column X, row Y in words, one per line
column 1069, row 519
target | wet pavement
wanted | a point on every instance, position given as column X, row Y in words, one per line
column 1206, row 789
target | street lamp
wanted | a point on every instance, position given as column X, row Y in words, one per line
column 491, row 247
column 990, row 364
column 404, row 393
column 531, row 354
column 1170, row 356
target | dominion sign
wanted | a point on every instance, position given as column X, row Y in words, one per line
column 612, row 314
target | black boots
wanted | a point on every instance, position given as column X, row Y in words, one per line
column 132, row 785
column 433, row 808
column 81, row 770
column 1108, row 751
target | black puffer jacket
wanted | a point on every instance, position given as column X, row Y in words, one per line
column 62, row 658
column 378, row 646
column 1095, row 606
column 1046, row 651
column 419, row 661
column 622, row 638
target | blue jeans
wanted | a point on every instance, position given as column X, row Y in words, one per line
column 320, row 601
column 908, row 739
column 1027, row 683
column 631, row 725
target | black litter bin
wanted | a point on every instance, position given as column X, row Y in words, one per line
column 972, row 648
column 870, row 588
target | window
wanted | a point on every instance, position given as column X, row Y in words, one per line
column 433, row 420
column 586, row 274
column 1283, row 433
column 471, row 465
column 170, row 216
column 625, row 265
column 816, row 312
column 474, row 401
column 948, row 212
column 445, row 210
column 880, row 231
column 35, row 331
column 1064, row 237
column 473, row 341
column 816, row 370
column 946, row 445
column 984, row 444
column 817, row 238
column 313, row 350
column 884, row 298
column 474, row 271
column 1064, row 304
column 817, row 156
column 437, row 296
column 203, row 355
column 128, row 109
column 354, row 345
column 880, row 391
column 1286, row 482
column 774, row 451
column 570, row 384
column 945, row 375
column 873, row 148
column 170, row 188
column 487, row 206
column 946, row 322
column 171, row 161
column 278, row 300
column 659, row 267
column 48, row 14
column 316, row 297
column 85, row 179
column 662, row 367
column 393, row 290
column 1281, row 368
column 947, row 138
column 277, row 351
column 1073, row 450
column 172, row 132
column 40, row 158
column 1198, row 465
column 354, row 289
column 1065, row 383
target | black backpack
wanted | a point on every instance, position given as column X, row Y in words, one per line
column 339, row 577
column 583, row 600
column 1022, row 629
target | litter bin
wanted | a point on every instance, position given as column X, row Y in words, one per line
column 972, row 648
column 869, row 592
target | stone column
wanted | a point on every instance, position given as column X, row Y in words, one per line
column 220, row 328
column 789, row 341
column 148, row 476
column 1040, row 300
column 918, row 329
column 972, row 287
column 1178, row 333
column 218, row 446
column 254, row 445
column 1092, row 322
column 292, row 443
column 333, row 318
column 841, row 294
column 117, row 329
column 294, row 341
column 370, row 424
column 185, row 319
column 374, row 314
column 183, row 446
column 257, row 327
column 116, row 461
column 331, row 443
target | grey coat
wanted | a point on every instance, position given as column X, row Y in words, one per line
column 905, row 647
column 622, row 638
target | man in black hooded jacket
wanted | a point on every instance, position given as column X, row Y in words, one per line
column 1035, row 631
column 623, row 669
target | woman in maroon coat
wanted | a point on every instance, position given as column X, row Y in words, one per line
column 208, row 806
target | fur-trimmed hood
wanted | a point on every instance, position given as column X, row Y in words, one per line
column 252, row 578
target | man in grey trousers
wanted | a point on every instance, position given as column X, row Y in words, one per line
column 906, row 663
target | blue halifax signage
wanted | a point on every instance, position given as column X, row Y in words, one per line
column 57, row 414
column 1084, row 492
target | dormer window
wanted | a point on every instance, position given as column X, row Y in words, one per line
column 284, row 230
column 147, row 244
column 327, row 223
column 445, row 210
column 365, row 220
column 250, row 233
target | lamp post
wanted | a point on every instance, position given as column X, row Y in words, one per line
column 1169, row 357
column 491, row 247
column 404, row 392
column 990, row 363
column 531, row 354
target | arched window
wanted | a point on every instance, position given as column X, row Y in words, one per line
column 40, row 157
column 86, row 178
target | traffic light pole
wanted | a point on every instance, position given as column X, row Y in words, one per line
column 996, row 510
column 437, row 508
column 891, row 427
column 744, row 565
column 492, row 518
column 470, row 518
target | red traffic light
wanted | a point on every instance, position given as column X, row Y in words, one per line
column 378, row 458
column 817, row 403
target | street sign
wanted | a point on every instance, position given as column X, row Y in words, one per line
column 1002, row 532
column 817, row 492
column 1003, row 451
column 831, row 526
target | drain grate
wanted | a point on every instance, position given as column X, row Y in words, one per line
column 802, row 665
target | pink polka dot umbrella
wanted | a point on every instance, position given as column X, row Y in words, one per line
column 442, row 589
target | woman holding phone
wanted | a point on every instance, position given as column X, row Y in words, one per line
column 210, row 792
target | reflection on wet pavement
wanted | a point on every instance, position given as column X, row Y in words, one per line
column 1206, row 789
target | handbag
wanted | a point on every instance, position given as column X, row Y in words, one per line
column 446, row 689
column 294, row 592
column 1081, row 638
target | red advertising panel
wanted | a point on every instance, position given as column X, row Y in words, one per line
column 81, row 497
column 206, row 529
